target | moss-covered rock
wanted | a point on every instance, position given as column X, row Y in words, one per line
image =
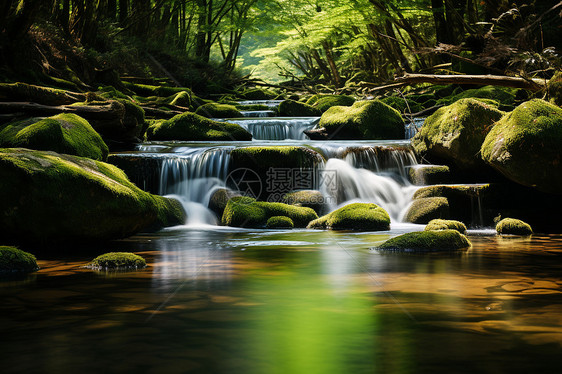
column 429, row 174
column 403, row 105
column 14, row 260
column 219, row 199
column 356, row 216
column 49, row 197
column 504, row 97
column 325, row 102
column 427, row 241
column 190, row 126
column 182, row 99
column 426, row 209
column 446, row 224
column 258, row 94
column 150, row 90
column 117, row 261
column 292, row 108
column 512, row 226
column 280, row 222
column 63, row 133
column 363, row 120
column 456, row 132
column 38, row 94
column 525, row 146
column 309, row 198
column 247, row 212
column 555, row 89
column 215, row 110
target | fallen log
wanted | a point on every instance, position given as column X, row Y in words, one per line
column 484, row 80
column 111, row 110
column 38, row 94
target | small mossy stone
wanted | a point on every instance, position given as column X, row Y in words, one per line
column 14, row 260
column 64, row 133
column 247, row 212
column 525, row 146
column 512, row 226
column 182, row 99
column 219, row 199
column 309, row 198
column 456, row 132
column 446, row 224
column 429, row 174
column 325, row 102
column 279, row 222
column 117, row 261
column 190, row 126
column 424, row 210
column 363, row 120
column 291, row 108
column 259, row 94
column 214, row 110
column 427, row 241
column 356, row 216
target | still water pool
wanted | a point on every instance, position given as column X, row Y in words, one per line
column 219, row 300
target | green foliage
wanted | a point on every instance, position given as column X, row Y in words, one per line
column 363, row 120
column 426, row 209
column 214, row 110
column 356, row 216
column 427, row 241
column 63, row 133
column 15, row 260
column 280, row 222
column 117, row 261
column 444, row 224
column 511, row 226
column 247, row 212
column 191, row 126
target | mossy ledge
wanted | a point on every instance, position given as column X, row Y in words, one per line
column 117, row 261
column 49, row 197
column 356, row 216
column 14, row 260
column 512, row 226
column 247, row 212
column 427, row 241
column 446, row 224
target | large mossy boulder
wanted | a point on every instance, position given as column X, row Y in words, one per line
column 426, row 209
column 356, row 216
column 247, row 212
column 292, row 108
column 362, row 120
column 117, row 261
column 63, row 133
column 215, row 110
column 192, row 127
column 49, row 197
column 503, row 97
column 512, row 226
column 456, row 132
column 14, row 260
column 525, row 146
column 446, row 224
column 325, row 102
column 427, row 241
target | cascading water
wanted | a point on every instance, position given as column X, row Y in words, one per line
column 257, row 113
column 276, row 128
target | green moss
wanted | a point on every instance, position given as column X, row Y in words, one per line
column 444, row 224
column 49, row 197
column 258, row 94
column 280, row 222
column 429, row 174
column 501, row 97
column 325, row 102
column 401, row 104
column 555, row 89
column 149, row 90
column 291, row 108
column 191, row 126
column 511, row 226
column 219, row 199
column 525, row 146
column 63, row 133
column 456, row 132
column 117, row 261
column 356, row 216
column 15, row 260
column 247, row 212
column 182, row 99
column 214, row 110
column 424, row 210
column 309, row 198
column 110, row 92
column 363, row 120
column 427, row 241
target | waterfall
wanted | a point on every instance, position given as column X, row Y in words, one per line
column 258, row 113
column 269, row 103
column 276, row 128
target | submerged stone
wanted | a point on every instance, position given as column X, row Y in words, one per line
column 14, row 260
column 63, row 133
column 511, row 226
column 525, row 146
column 427, row 241
column 356, row 216
column 49, row 197
column 117, row 261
